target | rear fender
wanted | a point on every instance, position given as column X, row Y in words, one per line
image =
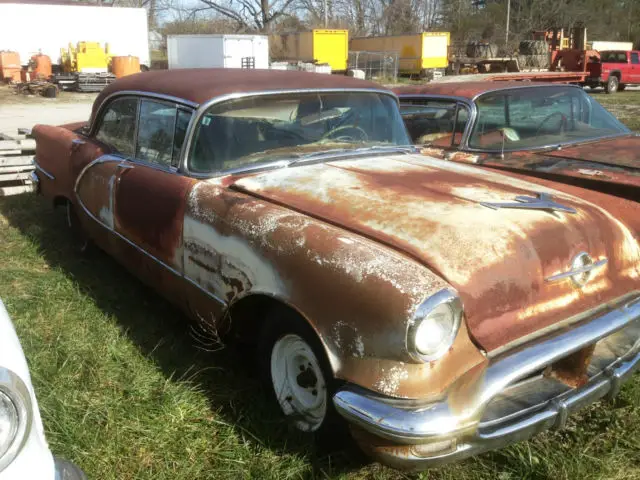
column 59, row 160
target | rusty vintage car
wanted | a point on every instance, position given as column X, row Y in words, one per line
column 548, row 131
column 411, row 296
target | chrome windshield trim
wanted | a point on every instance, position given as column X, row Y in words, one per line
column 202, row 109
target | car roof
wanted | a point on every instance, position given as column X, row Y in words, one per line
column 468, row 90
column 198, row 85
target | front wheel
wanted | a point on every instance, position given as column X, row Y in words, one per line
column 612, row 84
column 294, row 362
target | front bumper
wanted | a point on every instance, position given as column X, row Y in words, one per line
column 511, row 400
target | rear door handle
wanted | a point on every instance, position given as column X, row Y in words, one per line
column 124, row 166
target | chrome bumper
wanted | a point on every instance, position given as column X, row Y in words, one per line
column 509, row 402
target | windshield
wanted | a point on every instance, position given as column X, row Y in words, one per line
column 525, row 118
column 271, row 127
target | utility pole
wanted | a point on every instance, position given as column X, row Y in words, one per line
column 506, row 36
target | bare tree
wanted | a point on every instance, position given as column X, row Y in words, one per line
column 250, row 15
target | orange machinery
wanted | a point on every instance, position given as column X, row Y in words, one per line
column 9, row 66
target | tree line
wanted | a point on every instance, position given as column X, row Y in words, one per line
column 467, row 20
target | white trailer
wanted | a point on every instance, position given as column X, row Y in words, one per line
column 602, row 46
column 218, row 51
column 36, row 28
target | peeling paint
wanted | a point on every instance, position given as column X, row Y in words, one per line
column 390, row 379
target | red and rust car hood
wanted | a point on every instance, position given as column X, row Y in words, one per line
column 497, row 259
column 610, row 166
column 618, row 152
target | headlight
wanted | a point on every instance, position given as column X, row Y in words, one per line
column 434, row 326
column 15, row 416
column 9, row 422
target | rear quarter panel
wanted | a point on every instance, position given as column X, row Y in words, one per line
column 56, row 154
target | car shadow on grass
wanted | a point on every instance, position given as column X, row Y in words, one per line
column 165, row 335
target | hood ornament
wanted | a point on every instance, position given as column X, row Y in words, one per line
column 582, row 268
column 542, row 201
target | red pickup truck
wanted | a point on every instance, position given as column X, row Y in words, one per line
column 615, row 70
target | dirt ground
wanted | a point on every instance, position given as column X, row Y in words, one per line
column 24, row 111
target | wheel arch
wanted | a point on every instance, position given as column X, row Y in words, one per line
column 247, row 313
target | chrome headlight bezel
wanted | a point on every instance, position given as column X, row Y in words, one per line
column 446, row 297
column 16, row 390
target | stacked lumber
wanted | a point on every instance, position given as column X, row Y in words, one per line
column 16, row 163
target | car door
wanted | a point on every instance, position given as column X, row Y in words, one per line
column 95, row 160
column 635, row 67
column 150, row 195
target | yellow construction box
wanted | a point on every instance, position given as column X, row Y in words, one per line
column 315, row 46
column 418, row 52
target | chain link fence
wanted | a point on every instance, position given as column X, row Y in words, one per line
column 375, row 65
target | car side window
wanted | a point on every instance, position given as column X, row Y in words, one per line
column 434, row 121
column 156, row 130
column 634, row 58
column 117, row 125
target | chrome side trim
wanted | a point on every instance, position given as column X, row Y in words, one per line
column 43, row 171
column 460, row 413
column 122, row 237
column 202, row 109
column 206, row 292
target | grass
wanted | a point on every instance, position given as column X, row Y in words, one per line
column 624, row 105
column 128, row 392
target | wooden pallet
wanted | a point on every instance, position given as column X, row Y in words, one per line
column 16, row 163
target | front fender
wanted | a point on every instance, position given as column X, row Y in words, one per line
column 357, row 294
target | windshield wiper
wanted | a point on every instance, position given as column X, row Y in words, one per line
column 352, row 151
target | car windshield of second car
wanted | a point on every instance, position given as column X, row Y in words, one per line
column 267, row 128
column 525, row 118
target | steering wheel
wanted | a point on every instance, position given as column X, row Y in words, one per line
column 346, row 137
column 563, row 122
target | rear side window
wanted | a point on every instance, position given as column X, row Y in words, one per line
column 117, row 126
column 613, row 57
column 634, row 58
column 434, row 122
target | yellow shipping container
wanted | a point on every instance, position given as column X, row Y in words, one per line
column 417, row 52
column 317, row 46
